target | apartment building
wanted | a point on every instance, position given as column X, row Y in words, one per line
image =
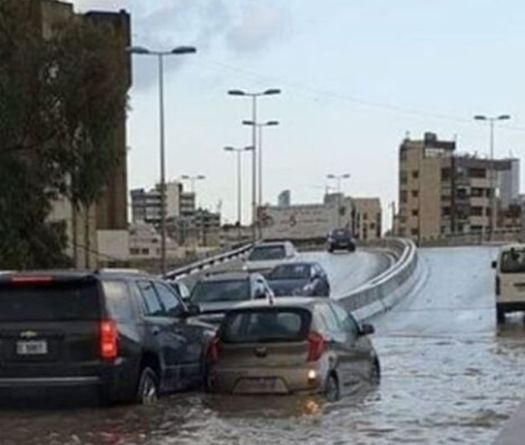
column 146, row 204
column 367, row 218
column 442, row 193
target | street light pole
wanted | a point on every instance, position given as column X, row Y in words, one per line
column 193, row 180
column 339, row 179
column 260, row 126
column 254, row 97
column 493, row 220
column 139, row 50
column 239, row 152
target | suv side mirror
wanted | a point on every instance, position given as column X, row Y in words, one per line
column 193, row 310
column 367, row 329
column 494, row 264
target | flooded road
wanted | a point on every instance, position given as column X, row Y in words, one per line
column 448, row 378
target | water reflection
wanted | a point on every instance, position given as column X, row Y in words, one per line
column 434, row 391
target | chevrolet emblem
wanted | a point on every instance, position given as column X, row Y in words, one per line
column 28, row 334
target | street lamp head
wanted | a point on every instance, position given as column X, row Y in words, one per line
column 229, row 149
column 184, row 50
column 249, row 148
column 345, row 176
column 138, row 50
column 185, row 177
column 201, row 177
column 272, row 91
column 504, row 117
column 480, row 118
column 330, row 176
column 272, row 123
column 251, row 123
column 236, row 93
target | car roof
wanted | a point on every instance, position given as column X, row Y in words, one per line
column 298, row 263
column 226, row 276
column 74, row 275
column 287, row 302
column 516, row 246
column 273, row 244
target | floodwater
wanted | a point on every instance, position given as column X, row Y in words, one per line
column 448, row 378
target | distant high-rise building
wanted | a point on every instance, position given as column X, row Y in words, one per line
column 284, row 199
column 146, row 204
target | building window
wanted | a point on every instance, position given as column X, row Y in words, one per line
column 144, row 251
column 372, row 226
column 134, row 251
column 476, row 192
column 403, row 196
column 403, row 179
column 415, row 174
column 403, row 154
column 445, row 211
column 476, row 211
column 415, row 212
column 445, row 174
column 477, row 172
column 365, row 216
column 415, row 193
column 414, row 232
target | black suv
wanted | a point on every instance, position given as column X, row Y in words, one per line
column 122, row 336
column 340, row 239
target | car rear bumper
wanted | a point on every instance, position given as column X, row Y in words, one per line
column 110, row 381
column 304, row 380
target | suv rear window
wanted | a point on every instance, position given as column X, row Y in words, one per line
column 263, row 253
column 221, row 291
column 53, row 301
column 265, row 325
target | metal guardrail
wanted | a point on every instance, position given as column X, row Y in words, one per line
column 199, row 266
column 377, row 294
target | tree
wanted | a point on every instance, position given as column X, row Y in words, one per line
column 59, row 102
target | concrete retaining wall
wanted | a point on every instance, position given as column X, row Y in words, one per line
column 384, row 291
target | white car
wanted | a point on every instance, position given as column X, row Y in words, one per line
column 265, row 256
column 510, row 280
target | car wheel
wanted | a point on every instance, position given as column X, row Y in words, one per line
column 375, row 372
column 351, row 249
column 148, row 387
column 331, row 388
column 500, row 314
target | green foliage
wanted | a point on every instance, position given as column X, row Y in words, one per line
column 60, row 102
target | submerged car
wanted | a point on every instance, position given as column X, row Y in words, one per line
column 308, row 279
column 214, row 294
column 265, row 256
column 340, row 239
column 291, row 345
column 118, row 336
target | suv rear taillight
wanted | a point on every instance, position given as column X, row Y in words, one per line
column 316, row 346
column 213, row 350
column 108, row 340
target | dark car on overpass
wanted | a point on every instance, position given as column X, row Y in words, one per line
column 340, row 239
column 307, row 279
column 114, row 335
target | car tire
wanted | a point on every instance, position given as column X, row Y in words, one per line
column 331, row 389
column 147, row 388
column 375, row 372
column 500, row 314
column 351, row 249
column 330, row 250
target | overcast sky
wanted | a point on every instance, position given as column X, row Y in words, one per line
column 356, row 76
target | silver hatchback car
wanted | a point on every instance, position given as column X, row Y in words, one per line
column 291, row 345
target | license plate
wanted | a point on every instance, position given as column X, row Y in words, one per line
column 31, row 347
column 261, row 384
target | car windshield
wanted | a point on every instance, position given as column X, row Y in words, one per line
column 263, row 253
column 265, row 325
column 290, row 272
column 221, row 291
column 49, row 302
column 513, row 261
column 340, row 233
